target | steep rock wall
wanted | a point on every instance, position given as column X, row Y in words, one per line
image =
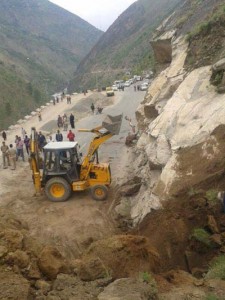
column 182, row 142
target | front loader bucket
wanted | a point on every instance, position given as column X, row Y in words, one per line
column 113, row 124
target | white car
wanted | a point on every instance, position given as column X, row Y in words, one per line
column 147, row 81
column 127, row 83
column 114, row 87
column 143, row 87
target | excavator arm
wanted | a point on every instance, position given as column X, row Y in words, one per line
column 34, row 161
column 112, row 126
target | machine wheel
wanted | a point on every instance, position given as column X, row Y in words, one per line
column 99, row 192
column 57, row 189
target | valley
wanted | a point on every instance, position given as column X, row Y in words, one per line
column 160, row 234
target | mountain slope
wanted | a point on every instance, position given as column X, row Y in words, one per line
column 41, row 44
column 126, row 43
column 52, row 38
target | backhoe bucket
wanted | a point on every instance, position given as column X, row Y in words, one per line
column 113, row 124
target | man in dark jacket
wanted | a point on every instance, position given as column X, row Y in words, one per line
column 41, row 140
column 58, row 136
column 4, row 135
column 72, row 121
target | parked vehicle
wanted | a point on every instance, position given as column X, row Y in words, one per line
column 143, row 87
column 146, row 81
column 118, row 83
column 114, row 87
column 109, row 91
column 127, row 83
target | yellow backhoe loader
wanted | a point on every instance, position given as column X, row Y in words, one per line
column 62, row 171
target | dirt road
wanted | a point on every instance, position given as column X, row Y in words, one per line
column 73, row 225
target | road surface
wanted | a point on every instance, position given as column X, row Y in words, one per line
column 71, row 225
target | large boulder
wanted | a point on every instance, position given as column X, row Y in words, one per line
column 162, row 50
column 158, row 152
column 117, row 257
column 150, row 111
column 219, row 65
column 51, row 262
column 129, row 289
column 90, row 269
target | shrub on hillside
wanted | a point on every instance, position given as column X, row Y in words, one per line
column 217, row 268
column 211, row 297
column 201, row 235
column 211, row 196
column 149, row 279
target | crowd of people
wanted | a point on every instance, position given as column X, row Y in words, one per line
column 21, row 146
column 97, row 110
column 60, row 98
column 11, row 153
column 63, row 121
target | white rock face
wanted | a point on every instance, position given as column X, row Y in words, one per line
column 189, row 110
column 192, row 113
column 158, row 151
column 188, row 118
column 143, row 204
column 220, row 65
column 143, row 141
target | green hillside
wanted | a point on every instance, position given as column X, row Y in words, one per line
column 41, row 45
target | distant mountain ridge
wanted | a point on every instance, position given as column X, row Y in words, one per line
column 48, row 35
column 125, row 45
column 41, row 45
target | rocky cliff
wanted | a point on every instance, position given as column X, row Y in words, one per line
column 181, row 143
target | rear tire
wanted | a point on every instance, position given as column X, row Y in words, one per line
column 57, row 189
column 99, row 192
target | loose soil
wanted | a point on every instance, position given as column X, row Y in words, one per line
column 73, row 225
column 85, row 232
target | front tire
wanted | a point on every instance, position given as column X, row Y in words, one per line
column 57, row 189
column 99, row 192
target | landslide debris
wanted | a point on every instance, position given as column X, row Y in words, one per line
column 119, row 256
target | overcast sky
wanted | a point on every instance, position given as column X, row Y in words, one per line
column 100, row 13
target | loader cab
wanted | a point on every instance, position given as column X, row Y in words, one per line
column 61, row 159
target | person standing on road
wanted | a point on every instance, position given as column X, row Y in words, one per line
column 58, row 136
column 12, row 157
column 65, row 122
column 4, row 135
column 5, row 155
column 23, row 132
column 27, row 144
column 59, row 121
column 92, row 108
column 19, row 147
column 39, row 116
column 72, row 119
column 71, row 136
column 16, row 140
column 41, row 140
column 68, row 99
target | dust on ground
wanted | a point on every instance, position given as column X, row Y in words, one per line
column 73, row 225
